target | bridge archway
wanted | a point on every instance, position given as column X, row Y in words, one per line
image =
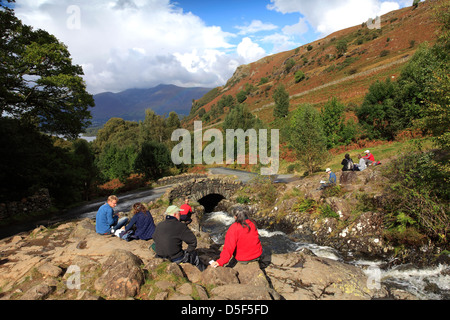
column 205, row 190
column 210, row 201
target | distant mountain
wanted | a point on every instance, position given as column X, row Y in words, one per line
column 132, row 103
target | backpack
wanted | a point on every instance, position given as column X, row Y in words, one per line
column 350, row 165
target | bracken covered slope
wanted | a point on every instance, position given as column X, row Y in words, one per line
column 372, row 54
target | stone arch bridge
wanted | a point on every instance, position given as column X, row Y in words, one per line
column 207, row 191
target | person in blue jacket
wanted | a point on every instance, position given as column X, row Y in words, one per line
column 331, row 180
column 141, row 226
column 106, row 221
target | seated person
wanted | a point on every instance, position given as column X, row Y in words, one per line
column 141, row 226
column 242, row 242
column 186, row 212
column 106, row 221
column 169, row 236
column 362, row 164
column 347, row 163
column 331, row 180
column 369, row 158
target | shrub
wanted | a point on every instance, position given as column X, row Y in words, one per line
column 299, row 76
column 289, row 65
column 418, row 196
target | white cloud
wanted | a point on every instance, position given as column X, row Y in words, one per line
column 249, row 50
column 134, row 43
column 256, row 26
column 327, row 16
column 299, row 28
column 280, row 42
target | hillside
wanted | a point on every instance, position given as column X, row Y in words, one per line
column 371, row 54
column 132, row 103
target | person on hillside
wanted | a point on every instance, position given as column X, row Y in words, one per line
column 347, row 163
column 369, row 158
column 168, row 240
column 361, row 166
column 106, row 221
column 141, row 225
column 186, row 212
column 331, row 180
column 242, row 242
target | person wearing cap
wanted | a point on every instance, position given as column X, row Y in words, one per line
column 369, row 158
column 331, row 179
column 169, row 236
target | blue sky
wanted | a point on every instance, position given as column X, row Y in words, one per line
column 124, row 44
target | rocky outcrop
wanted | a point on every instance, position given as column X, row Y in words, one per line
column 350, row 228
column 71, row 261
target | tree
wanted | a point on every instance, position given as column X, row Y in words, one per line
column 38, row 82
column 436, row 108
column 307, row 137
column 152, row 128
column 84, row 159
column 341, row 48
column 116, row 161
column 281, row 98
column 380, row 114
column 241, row 118
column 241, row 96
column 116, row 130
column 153, row 160
column 333, row 121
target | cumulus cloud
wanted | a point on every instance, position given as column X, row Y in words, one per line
column 134, row 43
column 327, row 16
column 249, row 50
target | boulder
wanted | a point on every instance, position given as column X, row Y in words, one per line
column 38, row 292
column 219, row 276
column 302, row 276
column 122, row 276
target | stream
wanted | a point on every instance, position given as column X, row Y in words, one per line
column 428, row 283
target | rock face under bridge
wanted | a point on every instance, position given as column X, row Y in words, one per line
column 199, row 188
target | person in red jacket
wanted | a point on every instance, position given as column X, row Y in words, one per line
column 369, row 158
column 186, row 212
column 241, row 240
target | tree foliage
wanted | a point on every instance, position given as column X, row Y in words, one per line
column 153, row 160
column 379, row 113
column 281, row 98
column 307, row 138
column 417, row 198
column 38, row 82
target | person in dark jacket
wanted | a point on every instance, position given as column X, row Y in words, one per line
column 141, row 225
column 347, row 163
column 169, row 236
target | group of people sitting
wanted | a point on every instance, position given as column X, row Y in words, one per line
column 242, row 243
column 364, row 161
column 348, row 165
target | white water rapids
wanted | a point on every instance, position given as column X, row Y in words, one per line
column 427, row 284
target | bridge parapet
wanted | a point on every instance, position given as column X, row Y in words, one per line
column 199, row 188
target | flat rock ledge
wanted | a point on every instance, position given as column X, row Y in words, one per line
column 71, row 262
